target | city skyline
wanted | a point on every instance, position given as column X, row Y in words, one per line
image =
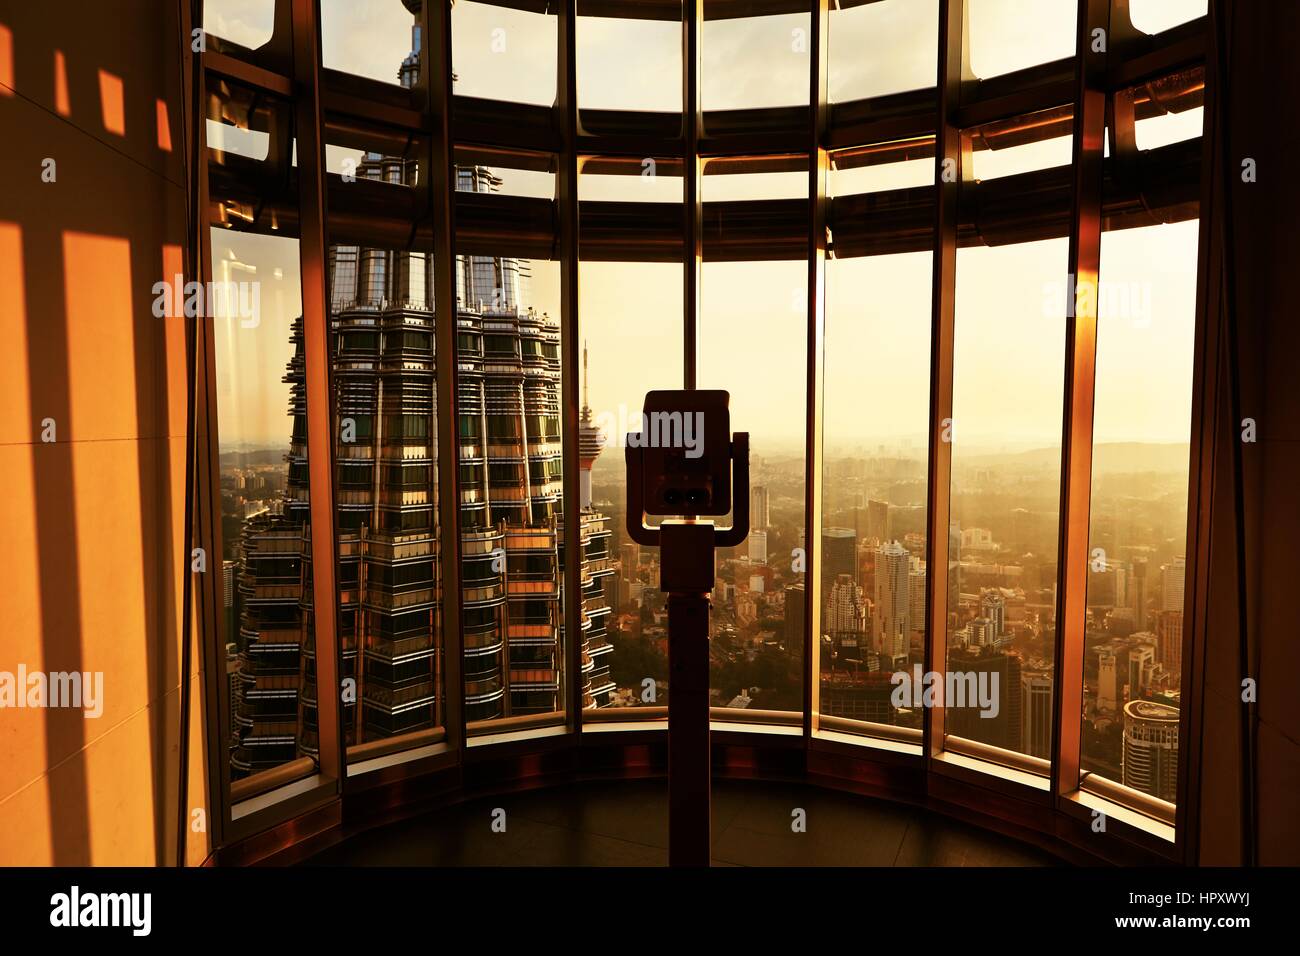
column 1006, row 422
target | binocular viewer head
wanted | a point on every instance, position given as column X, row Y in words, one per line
column 684, row 453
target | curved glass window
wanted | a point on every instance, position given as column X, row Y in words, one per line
column 572, row 282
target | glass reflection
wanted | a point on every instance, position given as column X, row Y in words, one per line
column 1008, row 35
column 1006, row 468
column 874, row 482
column 753, row 340
column 265, row 508
column 1133, row 651
column 632, row 343
column 882, row 47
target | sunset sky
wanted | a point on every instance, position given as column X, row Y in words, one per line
column 1010, row 341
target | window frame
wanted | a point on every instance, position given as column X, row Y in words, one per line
column 292, row 69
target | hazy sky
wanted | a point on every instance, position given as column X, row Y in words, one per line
column 1010, row 329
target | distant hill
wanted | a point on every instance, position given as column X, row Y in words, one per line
column 1112, row 458
column 253, row 457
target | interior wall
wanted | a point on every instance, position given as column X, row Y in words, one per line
column 92, row 558
column 1264, row 249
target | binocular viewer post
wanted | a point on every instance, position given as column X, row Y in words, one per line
column 685, row 465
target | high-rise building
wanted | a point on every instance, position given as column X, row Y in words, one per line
column 982, row 631
column 629, row 557
column 1036, row 713
column 1172, row 578
column 1150, row 757
column 1141, row 662
column 229, row 595
column 757, row 545
column 382, row 319
column 873, row 521
column 891, row 610
column 954, row 566
column 994, row 607
column 916, row 576
column 793, row 618
column 1138, row 593
column 1108, row 686
column 864, row 693
column 760, row 511
column 980, row 664
column 846, row 610
column 839, row 556
column 1169, row 641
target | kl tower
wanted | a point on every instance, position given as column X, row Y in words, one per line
column 590, row 439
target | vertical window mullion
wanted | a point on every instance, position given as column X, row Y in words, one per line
column 1080, row 383
column 949, row 171
column 436, row 67
column 567, row 200
column 206, row 514
column 818, row 116
column 320, row 416
column 693, row 209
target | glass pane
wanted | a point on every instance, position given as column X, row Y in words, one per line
column 1006, row 463
column 1156, row 131
column 630, row 64
column 623, row 179
column 753, row 342
column 1009, row 35
column 256, row 302
column 1138, row 517
column 499, row 53
column 249, row 23
column 1022, row 144
column 887, row 46
column 372, row 38
column 1133, row 652
column 266, row 567
column 875, row 453
column 510, row 174
column 511, row 478
column 879, row 168
column 747, row 62
column 1152, row 16
column 632, row 343
column 772, row 177
column 382, row 333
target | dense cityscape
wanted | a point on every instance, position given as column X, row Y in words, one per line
column 1001, row 599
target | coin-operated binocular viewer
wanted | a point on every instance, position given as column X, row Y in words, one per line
column 686, row 467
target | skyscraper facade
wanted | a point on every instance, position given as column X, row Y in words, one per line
column 1151, row 748
column 846, row 610
column 1005, row 728
column 1169, row 641
column 891, row 612
column 1036, row 713
column 1172, row 577
column 1108, row 683
column 382, row 319
column 994, row 608
column 1138, row 593
column 792, row 622
column 760, row 509
column 839, row 555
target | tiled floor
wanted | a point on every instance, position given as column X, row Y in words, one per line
column 625, row 823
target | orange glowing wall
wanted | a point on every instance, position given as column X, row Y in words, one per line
column 92, row 215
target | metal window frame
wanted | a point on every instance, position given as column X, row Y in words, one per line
column 290, row 67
